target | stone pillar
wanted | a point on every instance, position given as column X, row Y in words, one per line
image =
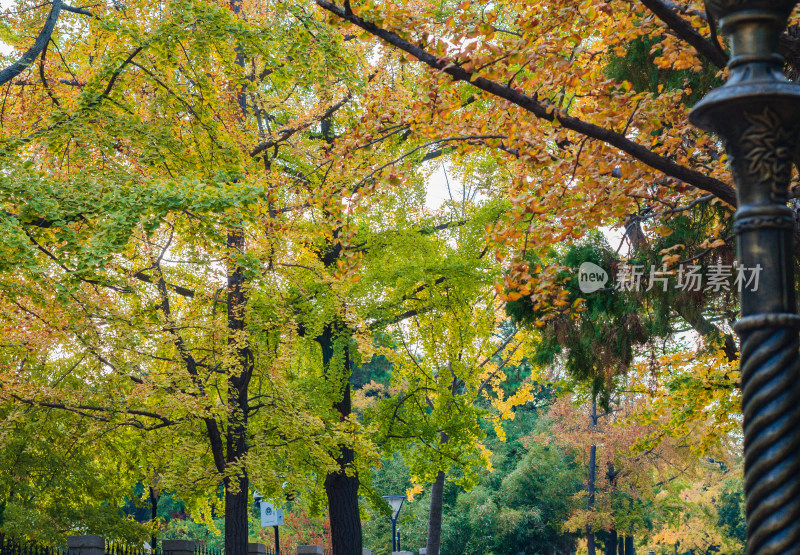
column 402, row 553
column 256, row 549
column 423, row 551
column 177, row 547
column 365, row 551
column 86, row 545
column 309, row 550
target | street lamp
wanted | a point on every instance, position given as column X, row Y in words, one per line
column 396, row 502
column 757, row 114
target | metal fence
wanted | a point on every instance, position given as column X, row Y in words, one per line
column 11, row 547
column 113, row 548
column 202, row 549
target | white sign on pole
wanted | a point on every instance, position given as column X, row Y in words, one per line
column 270, row 516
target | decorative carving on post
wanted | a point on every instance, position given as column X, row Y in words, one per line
column 757, row 115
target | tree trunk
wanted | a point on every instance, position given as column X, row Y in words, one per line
column 341, row 489
column 236, row 514
column 611, row 542
column 227, row 440
column 613, row 537
column 237, row 493
column 433, row 543
column 629, row 550
column 342, row 492
column 435, row 516
column 237, row 487
column 592, row 473
column 154, row 495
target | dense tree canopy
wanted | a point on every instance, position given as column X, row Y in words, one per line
column 220, row 271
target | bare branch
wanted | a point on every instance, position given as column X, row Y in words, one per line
column 502, row 363
column 477, row 138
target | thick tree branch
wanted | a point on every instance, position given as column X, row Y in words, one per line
column 441, row 227
column 182, row 291
column 88, row 410
column 212, row 428
column 706, row 329
column 43, row 76
column 68, row 82
column 33, row 52
column 79, row 11
column 115, row 75
column 502, row 364
column 684, row 30
column 546, row 111
column 68, row 270
column 36, row 222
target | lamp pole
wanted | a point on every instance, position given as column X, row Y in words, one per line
column 757, row 115
column 396, row 502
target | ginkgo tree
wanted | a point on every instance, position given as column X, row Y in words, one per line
column 54, row 465
column 448, row 357
column 172, row 171
column 594, row 135
column 129, row 242
column 191, row 191
column 587, row 105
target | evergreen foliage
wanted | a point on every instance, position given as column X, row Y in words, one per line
column 636, row 66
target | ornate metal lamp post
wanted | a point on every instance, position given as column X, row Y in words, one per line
column 757, row 114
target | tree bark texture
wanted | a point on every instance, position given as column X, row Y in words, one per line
column 341, row 488
column 237, row 486
column 154, row 496
column 435, row 516
column 237, row 500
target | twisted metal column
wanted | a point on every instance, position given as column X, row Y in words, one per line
column 757, row 114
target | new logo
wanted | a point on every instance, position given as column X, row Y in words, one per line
column 591, row 277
